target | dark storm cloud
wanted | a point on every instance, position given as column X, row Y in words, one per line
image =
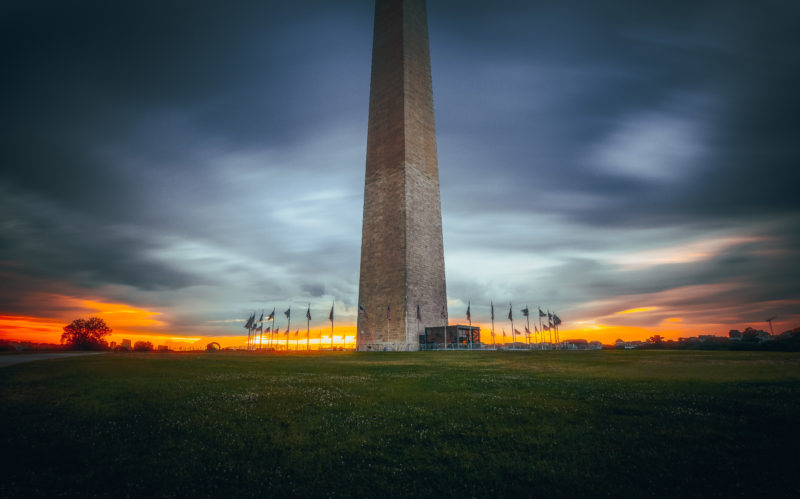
column 46, row 241
column 209, row 157
column 148, row 146
column 557, row 82
column 583, row 130
column 160, row 80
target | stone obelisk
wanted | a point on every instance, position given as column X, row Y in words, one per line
column 402, row 255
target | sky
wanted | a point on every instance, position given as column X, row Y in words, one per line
column 174, row 166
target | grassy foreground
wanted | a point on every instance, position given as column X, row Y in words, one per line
column 482, row 424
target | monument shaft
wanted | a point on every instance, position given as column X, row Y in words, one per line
column 402, row 255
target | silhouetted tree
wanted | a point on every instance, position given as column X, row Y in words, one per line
column 142, row 346
column 86, row 334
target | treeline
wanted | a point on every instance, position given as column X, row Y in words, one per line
column 754, row 340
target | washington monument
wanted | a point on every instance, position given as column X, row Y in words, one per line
column 402, row 284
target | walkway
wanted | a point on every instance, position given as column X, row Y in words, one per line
column 9, row 360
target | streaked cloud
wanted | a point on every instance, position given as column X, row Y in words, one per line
column 202, row 166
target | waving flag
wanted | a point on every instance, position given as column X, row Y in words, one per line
column 271, row 315
column 524, row 312
column 492, row 310
column 288, row 312
column 362, row 312
column 308, row 312
column 469, row 315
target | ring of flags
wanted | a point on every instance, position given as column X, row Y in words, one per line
column 545, row 333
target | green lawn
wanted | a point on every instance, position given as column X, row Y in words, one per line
column 464, row 424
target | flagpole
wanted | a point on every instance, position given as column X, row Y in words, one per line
column 494, row 345
column 288, row 327
column 513, row 331
column 541, row 331
column 308, row 328
column 528, row 327
column 249, row 332
column 557, row 322
column 555, row 330
column 469, row 319
column 445, row 329
column 252, row 333
column 332, row 305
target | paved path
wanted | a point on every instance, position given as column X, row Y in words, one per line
column 8, row 360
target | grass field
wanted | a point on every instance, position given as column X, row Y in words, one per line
column 465, row 424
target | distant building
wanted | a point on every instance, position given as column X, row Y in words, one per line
column 126, row 345
column 163, row 348
column 579, row 344
column 712, row 338
column 628, row 345
column 458, row 336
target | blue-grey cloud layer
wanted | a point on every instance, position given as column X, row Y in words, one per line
column 207, row 159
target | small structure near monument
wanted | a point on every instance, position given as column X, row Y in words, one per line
column 456, row 337
column 213, row 347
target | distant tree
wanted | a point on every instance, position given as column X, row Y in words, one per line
column 86, row 334
column 657, row 340
column 142, row 346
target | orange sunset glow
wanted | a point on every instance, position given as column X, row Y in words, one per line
column 141, row 324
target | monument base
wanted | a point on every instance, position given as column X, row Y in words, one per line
column 388, row 347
